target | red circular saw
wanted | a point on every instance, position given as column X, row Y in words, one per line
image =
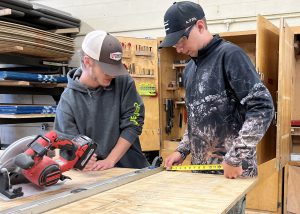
column 42, row 170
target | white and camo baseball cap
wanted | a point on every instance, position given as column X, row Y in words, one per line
column 107, row 50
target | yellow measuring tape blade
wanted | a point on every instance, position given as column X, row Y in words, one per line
column 197, row 167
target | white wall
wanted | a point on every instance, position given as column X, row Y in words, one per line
column 144, row 18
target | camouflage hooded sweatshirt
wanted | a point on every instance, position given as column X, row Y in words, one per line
column 229, row 108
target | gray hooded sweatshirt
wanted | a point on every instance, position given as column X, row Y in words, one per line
column 104, row 115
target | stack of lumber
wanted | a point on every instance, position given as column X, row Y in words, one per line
column 36, row 15
column 15, row 38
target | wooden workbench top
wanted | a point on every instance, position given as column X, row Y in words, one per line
column 79, row 179
column 166, row 192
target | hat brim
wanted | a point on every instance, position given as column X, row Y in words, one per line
column 113, row 70
column 171, row 39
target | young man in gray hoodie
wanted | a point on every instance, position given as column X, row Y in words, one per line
column 102, row 103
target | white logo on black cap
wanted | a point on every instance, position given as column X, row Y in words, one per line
column 117, row 56
column 166, row 23
column 190, row 20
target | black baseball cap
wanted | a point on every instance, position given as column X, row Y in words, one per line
column 178, row 17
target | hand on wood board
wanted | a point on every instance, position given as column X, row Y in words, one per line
column 94, row 165
column 231, row 171
column 90, row 164
column 102, row 165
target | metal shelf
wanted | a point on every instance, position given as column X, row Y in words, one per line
column 26, row 118
column 295, row 131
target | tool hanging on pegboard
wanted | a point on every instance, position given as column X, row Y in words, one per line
column 180, row 79
column 146, row 89
column 169, row 115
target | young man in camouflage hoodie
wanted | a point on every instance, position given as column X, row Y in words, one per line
column 229, row 108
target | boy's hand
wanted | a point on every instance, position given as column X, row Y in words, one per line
column 173, row 159
column 231, row 171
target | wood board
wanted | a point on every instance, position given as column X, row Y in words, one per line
column 79, row 179
column 166, row 192
column 35, row 30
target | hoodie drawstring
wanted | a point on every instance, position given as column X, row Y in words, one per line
column 89, row 92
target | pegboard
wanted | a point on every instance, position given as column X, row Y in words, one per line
column 141, row 59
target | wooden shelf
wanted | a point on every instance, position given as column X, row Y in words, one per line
column 179, row 65
column 21, row 116
column 31, row 84
column 26, row 118
column 294, row 163
column 295, row 131
column 172, row 88
column 142, row 76
column 144, row 53
column 179, row 103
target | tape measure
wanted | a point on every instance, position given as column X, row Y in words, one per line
column 204, row 167
column 197, row 167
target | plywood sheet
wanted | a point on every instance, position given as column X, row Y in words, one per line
column 79, row 179
column 167, row 192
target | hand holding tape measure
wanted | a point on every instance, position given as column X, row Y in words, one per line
column 200, row 167
column 203, row 167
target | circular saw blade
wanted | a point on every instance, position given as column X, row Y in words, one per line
column 17, row 147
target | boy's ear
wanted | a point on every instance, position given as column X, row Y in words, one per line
column 200, row 25
column 87, row 61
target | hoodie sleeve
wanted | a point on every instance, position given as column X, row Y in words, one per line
column 64, row 123
column 184, row 147
column 132, row 112
column 255, row 97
